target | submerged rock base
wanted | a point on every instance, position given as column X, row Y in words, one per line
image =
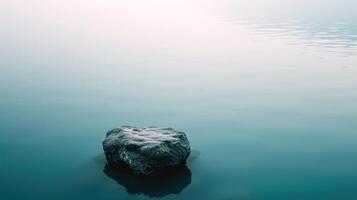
column 170, row 182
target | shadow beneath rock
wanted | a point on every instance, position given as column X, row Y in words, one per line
column 172, row 182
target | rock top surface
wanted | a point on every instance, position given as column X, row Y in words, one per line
column 146, row 151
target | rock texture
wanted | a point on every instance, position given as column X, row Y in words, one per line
column 146, row 151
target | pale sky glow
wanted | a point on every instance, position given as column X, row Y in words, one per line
column 182, row 28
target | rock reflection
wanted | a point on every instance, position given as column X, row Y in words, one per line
column 172, row 182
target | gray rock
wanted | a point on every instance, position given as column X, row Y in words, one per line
column 146, row 150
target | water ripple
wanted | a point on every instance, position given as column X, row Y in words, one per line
column 337, row 37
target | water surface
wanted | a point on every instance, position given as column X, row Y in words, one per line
column 265, row 90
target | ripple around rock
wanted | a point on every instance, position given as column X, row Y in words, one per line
column 147, row 151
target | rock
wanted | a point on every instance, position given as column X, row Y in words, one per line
column 147, row 151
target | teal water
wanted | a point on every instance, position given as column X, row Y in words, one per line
column 265, row 90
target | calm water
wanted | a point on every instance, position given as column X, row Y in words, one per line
column 266, row 91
